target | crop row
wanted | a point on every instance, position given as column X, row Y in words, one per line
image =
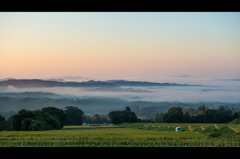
column 199, row 127
column 125, row 136
column 124, row 142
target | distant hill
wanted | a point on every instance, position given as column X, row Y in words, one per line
column 144, row 83
column 26, row 83
column 91, row 105
column 16, row 102
column 30, row 95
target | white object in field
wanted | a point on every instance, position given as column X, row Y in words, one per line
column 178, row 129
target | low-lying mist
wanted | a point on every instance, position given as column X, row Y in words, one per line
column 105, row 99
column 155, row 94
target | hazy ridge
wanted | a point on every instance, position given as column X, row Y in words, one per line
column 91, row 105
column 21, row 83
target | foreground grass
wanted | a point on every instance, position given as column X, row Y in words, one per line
column 114, row 136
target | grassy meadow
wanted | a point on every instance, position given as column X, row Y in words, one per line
column 127, row 135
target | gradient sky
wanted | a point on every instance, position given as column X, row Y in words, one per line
column 119, row 45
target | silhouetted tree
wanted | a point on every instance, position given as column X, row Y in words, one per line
column 74, row 115
column 2, row 123
column 235, row 115
column 128, row 109
column 187, row 118
column 18, row 118
column 174, row 115
column 48, row 121
column 202, row 115
column 36, row 126
column 87, row 119
column 9, row 124
column 158, row 118
column 200, row 109
column 58, row 113
column 25, row 124
column 119, row 117
column 37, row 120
column 210, row 116
column 97, row 119
column 190, row 111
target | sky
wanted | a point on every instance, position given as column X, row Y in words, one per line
column 119, row 45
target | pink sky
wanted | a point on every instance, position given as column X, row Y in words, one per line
column 119, row 45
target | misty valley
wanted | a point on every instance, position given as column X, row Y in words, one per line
column 118, row 113
column 145, row 98
column 119, row 79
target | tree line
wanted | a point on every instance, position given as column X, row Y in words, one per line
column 96, row 119
column 125, row 116
column 54, row 118
column 201, row 114
column 45, row 119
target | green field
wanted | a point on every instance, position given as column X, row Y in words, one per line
column 127, row 135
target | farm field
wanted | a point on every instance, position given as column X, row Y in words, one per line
column 127, row 135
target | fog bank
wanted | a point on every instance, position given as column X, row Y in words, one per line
column 213, row 89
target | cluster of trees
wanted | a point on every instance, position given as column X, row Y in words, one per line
column 119, row 117
column 2, row 123
column 37, row 120
column 200, row 115
column 74, row 115
column 45, row 119
column 96, row 119
column 55, row 118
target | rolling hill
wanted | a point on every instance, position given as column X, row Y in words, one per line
column 28, row 83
